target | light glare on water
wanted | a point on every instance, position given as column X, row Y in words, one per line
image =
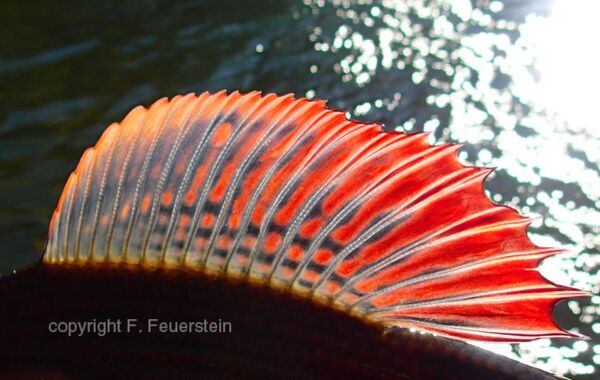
column 570, row 34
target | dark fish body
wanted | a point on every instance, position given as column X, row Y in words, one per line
column 331, row 249
column 273, row 334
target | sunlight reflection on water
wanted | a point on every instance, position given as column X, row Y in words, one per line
column 569, row 34
column 522, row 94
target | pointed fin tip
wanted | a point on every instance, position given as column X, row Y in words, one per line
column 570, row 294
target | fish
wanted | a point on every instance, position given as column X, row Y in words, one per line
column 251, row 235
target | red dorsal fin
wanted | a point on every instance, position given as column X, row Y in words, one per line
column 286, row 192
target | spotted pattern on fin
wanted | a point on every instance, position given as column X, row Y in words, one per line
column 286, row 192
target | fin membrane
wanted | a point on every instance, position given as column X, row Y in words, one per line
column 286, row 192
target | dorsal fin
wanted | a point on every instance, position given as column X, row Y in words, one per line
column 286, row 192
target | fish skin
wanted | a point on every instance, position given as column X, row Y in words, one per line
column 274, row 334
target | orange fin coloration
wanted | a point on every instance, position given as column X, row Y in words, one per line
column 286, row 192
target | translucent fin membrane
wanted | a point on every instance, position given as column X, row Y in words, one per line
column 285, row 192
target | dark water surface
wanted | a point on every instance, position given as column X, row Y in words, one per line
column 474, row 71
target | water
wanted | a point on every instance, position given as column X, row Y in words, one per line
column 513, row 79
